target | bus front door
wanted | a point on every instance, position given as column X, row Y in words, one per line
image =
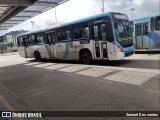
column 141, row 35
column 51, row 42
column 100, row 41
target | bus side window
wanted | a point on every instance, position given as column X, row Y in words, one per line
column 138, row 29
column 80, row 32
column 29, row 40
column 152, row 24
column 157, row 23
column 59, row 36
column 40, row 38
column 33, row 39
column 103, row 31
column 25, row 41
column 63, row 34
column 85, row 32
column 109, row 32
column 19, row 41
column 50, row 38
column 67, row 37
column 75, row 34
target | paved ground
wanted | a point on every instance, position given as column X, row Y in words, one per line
column 132, row 84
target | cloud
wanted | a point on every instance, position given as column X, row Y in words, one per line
column 142, row 7
column 76, row 9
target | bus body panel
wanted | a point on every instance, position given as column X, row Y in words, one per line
column 154, row 38
column 70, row 50
column 51, row 51
column 22, row 52
column 42, row 49
column 58, row 43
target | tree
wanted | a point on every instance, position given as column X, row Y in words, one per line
column 10, row 44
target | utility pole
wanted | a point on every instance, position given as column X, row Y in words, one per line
column 132, row 10
column 102, row 9
column 21, row 27
column 32, row 22
column 55, row 14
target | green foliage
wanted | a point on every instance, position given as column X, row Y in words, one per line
column 10, row 44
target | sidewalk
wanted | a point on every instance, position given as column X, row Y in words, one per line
column 10, row 53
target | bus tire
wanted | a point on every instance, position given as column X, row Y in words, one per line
column 85, row 57
column 37, row 57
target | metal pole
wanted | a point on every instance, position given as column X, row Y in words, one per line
column 55, row 15
column 21, row 27
column 102, row 5
column 132, row 9
column 32, row 25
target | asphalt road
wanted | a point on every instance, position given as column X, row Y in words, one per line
column 132, row 84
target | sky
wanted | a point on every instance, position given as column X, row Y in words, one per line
column 76, row 9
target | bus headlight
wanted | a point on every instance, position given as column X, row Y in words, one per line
column 120, row 49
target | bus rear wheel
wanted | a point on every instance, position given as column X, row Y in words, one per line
column 37, row 56
column 86, row 57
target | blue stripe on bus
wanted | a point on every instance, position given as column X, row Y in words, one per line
column 154, row 36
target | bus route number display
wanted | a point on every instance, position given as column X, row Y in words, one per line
column 84, row 41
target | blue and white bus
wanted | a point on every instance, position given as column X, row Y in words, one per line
column 146, row 32
column 101, row 37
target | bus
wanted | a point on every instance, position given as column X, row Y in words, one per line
column 146, row 32
column 100, row 37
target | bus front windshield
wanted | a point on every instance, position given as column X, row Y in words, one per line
column 123, row 33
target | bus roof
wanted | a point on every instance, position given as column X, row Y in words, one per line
column 70, row 23
column 145, row 17
column 87, row 18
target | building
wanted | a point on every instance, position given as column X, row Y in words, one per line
column 9, row 38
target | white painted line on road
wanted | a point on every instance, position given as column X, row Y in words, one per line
column 135, row 78
column 154, row 71
column 44, row 64
column 153, row 91
column 73, row 68
column 95, row 72
column 33, row 63
column 67, row 74
column 57, row 66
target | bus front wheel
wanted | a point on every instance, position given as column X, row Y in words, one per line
column 86, row 57
column 37, row 56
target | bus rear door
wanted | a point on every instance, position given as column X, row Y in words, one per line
column 26, row 46
column 51, row 42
